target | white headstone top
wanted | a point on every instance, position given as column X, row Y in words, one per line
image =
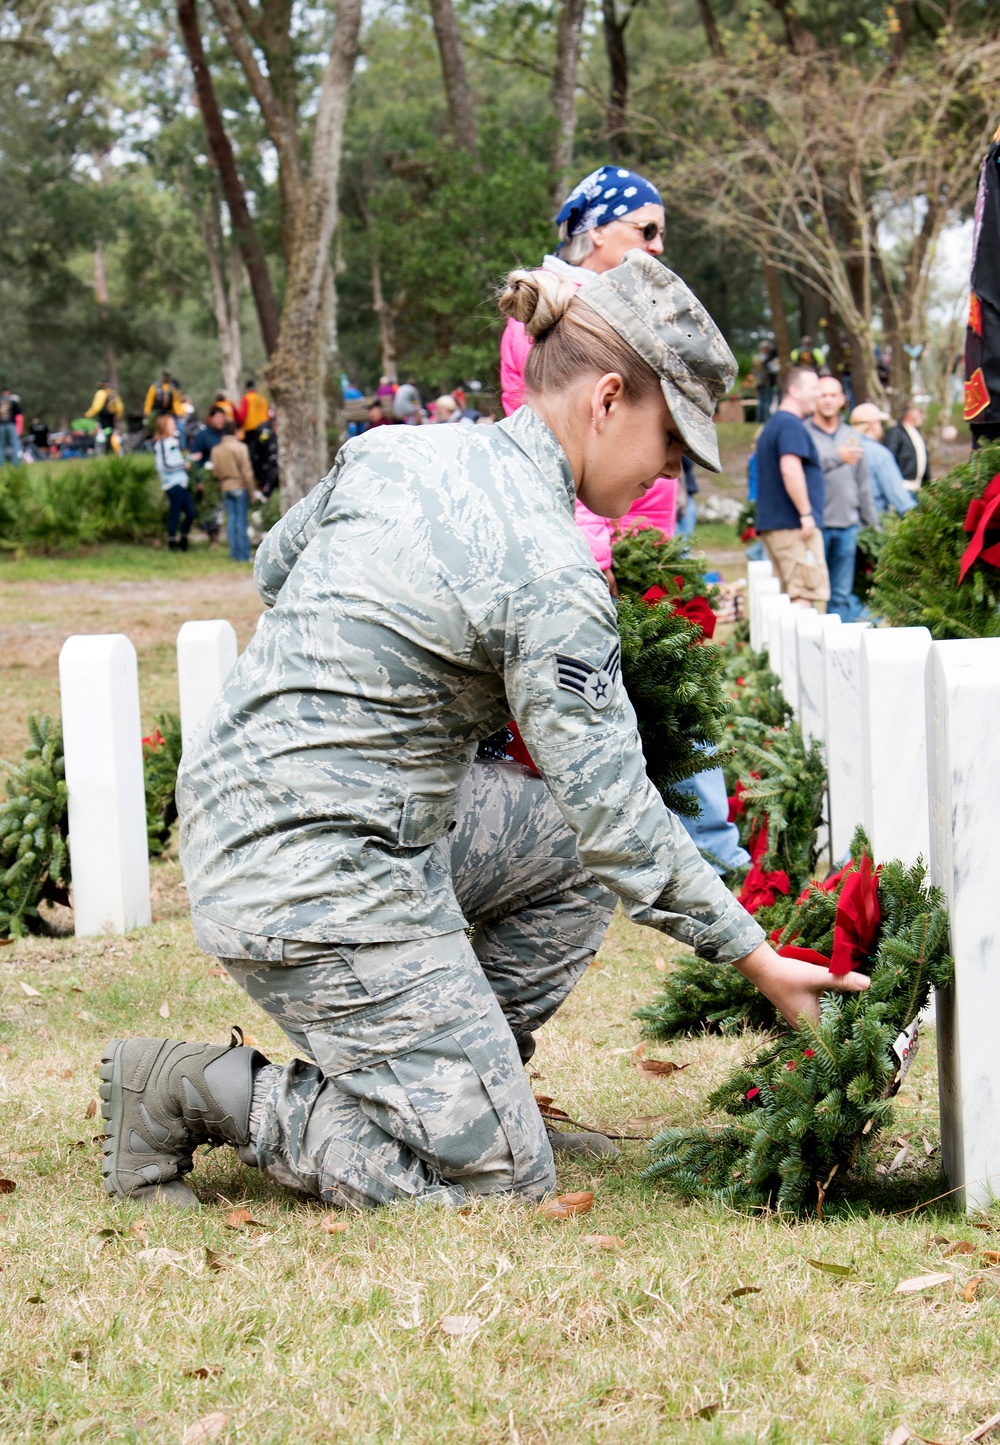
column 102, row 736
column 759, row 589
column 206, row 655
column 842, row 682
column 893, row 741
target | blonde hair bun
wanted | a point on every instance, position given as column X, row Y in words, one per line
column 536, row 298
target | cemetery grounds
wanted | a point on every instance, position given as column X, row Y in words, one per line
column 264, row 1318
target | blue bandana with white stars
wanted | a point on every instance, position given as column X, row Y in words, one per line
column 605, row 195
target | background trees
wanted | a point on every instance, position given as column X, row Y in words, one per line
column 210, row 183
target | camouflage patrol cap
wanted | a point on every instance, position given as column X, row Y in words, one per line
column 664, row 322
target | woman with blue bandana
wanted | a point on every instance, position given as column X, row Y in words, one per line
column 610, row 212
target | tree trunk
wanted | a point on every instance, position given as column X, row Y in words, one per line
column 711, row 30
column 617, row 106
column 295, row 372
column 224, row 160
column 386, row 312
column 232, row 382
column 779, row 316
column 101, row 291
column 456, row 81
column 210, row 225
column 564, row 96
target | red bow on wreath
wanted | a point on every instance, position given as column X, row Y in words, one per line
column 979, row 520
column 697, row 610
column 856, row 925
column 760, row 889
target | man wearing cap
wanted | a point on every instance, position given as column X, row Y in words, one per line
column 889, row 492
column 337, row 838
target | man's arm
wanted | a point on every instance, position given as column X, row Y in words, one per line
column 793, row 475
column 866, row 503
column 96, row 405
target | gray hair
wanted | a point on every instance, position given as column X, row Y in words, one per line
column 574, row 250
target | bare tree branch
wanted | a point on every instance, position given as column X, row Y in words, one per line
column 456, row 81
column 564, row 94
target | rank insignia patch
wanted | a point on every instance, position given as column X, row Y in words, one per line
column 595, row 685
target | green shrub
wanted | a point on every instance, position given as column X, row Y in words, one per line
column 50, row 507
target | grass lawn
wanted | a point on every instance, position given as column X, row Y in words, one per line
column 697, row 1324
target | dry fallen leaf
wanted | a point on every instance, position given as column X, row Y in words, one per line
column 900, row 1435
column 203, row 1372
column 741, row 1290
column 251, row 1041
column 899, row 1159
column 972, row 1289
column 643, row 1123
column 961, row 1246
column 207, row 1429
column 241, row 1219
column 660, row 965
column 159, row 1256
column 31, row 992
column 461, row 1327
column 603, row 1241
column 566, row 1205
column 922, row 1281
column 330, row 1224
column 164, row 1010
column 218, row 973
column 91, row 1109
column 992, row 1256
column 659, row 1067
column 7, row 1186
column 215, row 1261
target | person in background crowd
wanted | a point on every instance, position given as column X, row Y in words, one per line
column 39, row 438
column 386, row 391
column 808, row 354
column 253, row 414
column 173, row 473
column 755, row 550
column 889, row 491
column 688, row 516
column 790, row 493
column 406, row 403
column 350, row 392
column 447, row 409
column 209, row 436
column 233, row 472
column 221, row 400
column 763, row 379
column 163, row 399
column 611, row 213
column 10, row 441
column 907, row 445
column 107, row 408
column 376, row 417
column 847, row 494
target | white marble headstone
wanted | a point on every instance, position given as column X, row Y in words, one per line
column 206, row 655
column 771, row 610
column 893, row 741
column 102, row 737
column 762, row 587
column 842, row 684
column 790, row 656
column 812, row 686
column 963, row 769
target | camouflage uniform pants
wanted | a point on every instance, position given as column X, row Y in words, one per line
column 414, row 1085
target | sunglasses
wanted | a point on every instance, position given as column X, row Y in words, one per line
column 650, row 229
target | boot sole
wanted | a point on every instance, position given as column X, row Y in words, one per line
column 110, row 1090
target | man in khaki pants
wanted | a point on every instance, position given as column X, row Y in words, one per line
column 790, row 493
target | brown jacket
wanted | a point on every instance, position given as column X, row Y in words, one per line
column 231, row 465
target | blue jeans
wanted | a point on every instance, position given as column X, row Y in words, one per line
column 181, row 510
column 10, row 446
column 840, row 545
column 237, row 505
column 687, row 515
column 711, row 830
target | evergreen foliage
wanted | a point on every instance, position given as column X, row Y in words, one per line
column 916, row 577
column 814, row 1101
column 755, row 688
column 646, row 558
column 50, row 508
column 674, row 681
column 161, row 757
column 33, row 855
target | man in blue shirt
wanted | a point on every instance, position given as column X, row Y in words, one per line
column 790, row 493
column 209, row 436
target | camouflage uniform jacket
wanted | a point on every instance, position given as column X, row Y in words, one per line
column 432, row 586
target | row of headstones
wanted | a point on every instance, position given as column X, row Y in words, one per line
column 102, row 738
column 909, row 730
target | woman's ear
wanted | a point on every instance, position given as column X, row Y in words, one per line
column 609, row 391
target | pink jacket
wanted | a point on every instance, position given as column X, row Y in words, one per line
column 658, row 508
